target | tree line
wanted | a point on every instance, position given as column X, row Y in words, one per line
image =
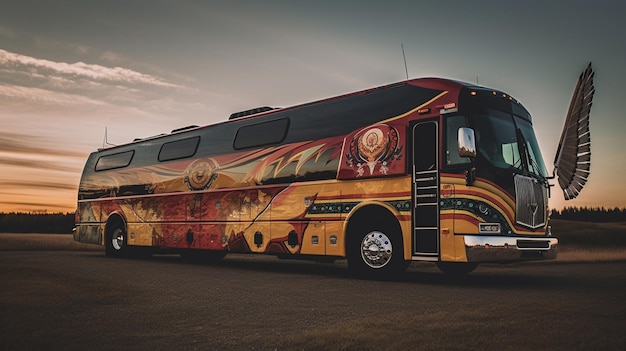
column 63, row 223
column 53, row 223
column 590, row 214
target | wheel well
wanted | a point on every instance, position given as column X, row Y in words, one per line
column 372, row 217
column 115, row 247
column 111, row 221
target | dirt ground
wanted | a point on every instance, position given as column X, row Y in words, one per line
column 77, row 300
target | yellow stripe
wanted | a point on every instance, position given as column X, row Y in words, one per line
column 363, row 199
column 483, row 186
column 415, row 109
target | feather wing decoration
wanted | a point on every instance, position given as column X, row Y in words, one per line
column 573, row 156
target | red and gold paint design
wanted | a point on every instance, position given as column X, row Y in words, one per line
column 463, row 208
column 230, row 203
column 374, row 147
column 498, row 206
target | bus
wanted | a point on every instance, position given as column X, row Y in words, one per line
column 425, row 169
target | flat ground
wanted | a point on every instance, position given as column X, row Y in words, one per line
column 77, row 300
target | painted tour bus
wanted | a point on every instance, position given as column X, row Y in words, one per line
column 422, row 170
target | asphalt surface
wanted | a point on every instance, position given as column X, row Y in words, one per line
column 85, row 301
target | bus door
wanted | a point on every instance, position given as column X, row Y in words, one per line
column 425, row 191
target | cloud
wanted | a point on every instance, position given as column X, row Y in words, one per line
column 38, row 164
column 69, row 91
column 39, row 184
column 33, row 145
column 21, row 97
column 30, row 205
column 13, row 62
column 34, row 163
column 23, row 205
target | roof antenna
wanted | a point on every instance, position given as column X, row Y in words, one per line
column 106, row 141
column 406, row 70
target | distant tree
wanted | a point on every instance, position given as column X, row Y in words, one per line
column 18, row 222
column 587, row 214
column 63, row 223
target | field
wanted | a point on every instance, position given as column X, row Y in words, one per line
column 579, row 241
column 67, row 295
column 589, row 242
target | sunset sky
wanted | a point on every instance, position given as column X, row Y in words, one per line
column 71, row 69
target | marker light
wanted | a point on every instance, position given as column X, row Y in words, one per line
column 423, row 110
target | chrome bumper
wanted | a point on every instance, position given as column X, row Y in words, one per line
column 506, row 249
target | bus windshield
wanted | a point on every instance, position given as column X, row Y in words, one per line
column 508, row 141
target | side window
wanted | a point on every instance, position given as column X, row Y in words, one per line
column 261, row 134
column 114, row 161
column 178, row 149
column 453, row 123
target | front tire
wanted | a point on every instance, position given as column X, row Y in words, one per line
column 376, row 253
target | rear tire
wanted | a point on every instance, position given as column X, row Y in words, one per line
column 116, row 240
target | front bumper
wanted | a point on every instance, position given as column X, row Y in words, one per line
column 479, row 248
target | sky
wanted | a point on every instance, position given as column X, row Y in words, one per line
column 72, row 69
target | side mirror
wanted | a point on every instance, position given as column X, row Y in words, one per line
column 466, row 142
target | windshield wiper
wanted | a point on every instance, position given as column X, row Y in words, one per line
column 528, row 161
column 522, row 148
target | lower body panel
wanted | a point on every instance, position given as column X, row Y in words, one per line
column 480, row 248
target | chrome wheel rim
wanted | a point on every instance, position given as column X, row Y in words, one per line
column 376, row 249
column 117, row 239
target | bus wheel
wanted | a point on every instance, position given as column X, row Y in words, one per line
column 116, row 241
column 457, row 268
column 376, row 254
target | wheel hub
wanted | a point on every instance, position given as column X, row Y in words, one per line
column 376, row 249
column 117, row 239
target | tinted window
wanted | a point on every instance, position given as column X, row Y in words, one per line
column 260, row 134
column 178, row 149
column 114, row 161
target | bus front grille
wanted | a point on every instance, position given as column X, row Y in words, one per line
column 531, row 199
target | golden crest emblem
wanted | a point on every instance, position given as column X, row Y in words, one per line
column 200, row 174
column 371, row 144
column 374, row 147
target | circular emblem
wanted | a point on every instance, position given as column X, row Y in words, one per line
column 200, row 174
column 374, row 147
